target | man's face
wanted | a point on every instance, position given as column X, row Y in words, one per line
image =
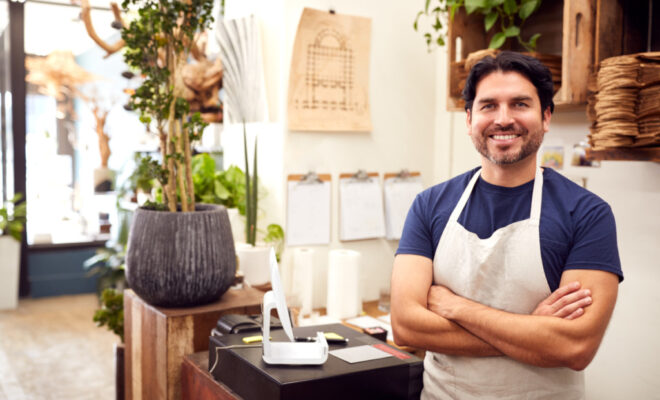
column 506, row 124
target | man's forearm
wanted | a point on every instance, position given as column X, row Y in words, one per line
column 415, row 325
column 418, row 327
column 538, row 340
column 535, row 340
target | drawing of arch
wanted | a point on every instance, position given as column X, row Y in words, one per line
column 329, row 72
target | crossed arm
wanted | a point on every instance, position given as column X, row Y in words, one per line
column 564, row 330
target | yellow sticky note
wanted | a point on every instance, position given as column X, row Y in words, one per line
column 332, row 335
column 253, row 339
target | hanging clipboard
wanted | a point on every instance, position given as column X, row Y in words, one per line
column 399, row 190
column 308, row 209
column 361, row 206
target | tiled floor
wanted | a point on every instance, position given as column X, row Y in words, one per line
column 51, row 349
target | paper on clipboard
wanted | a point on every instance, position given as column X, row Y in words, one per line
column 399, row 196
column 361, row 209
column 308, row 213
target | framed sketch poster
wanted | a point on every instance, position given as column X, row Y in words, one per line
column 329, row 78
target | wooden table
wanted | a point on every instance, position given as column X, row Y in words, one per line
column 198, row 384
column 157, row 339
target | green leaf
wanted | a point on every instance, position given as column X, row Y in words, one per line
column 496, row 3
column 472, row 5
column 440, row 41
column 428, row 38
column 512, row 31
column 510, row 7
column 221, row 190
column 490, row 20
column 203, row 165
column 497, row 41
column 438, row 25
column 533, row 39
column 419, row 14
column 426, row 6
column 527, row 9
column 452, row 11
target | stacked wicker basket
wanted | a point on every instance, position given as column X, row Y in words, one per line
column 625, row 106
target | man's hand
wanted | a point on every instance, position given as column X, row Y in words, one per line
column 544, row 339
column 566, row 302
column 442, row 301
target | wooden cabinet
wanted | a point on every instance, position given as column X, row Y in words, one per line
column 583, row 33
column 566, row 29
column 157, row 339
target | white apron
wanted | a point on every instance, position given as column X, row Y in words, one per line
column 504, row 271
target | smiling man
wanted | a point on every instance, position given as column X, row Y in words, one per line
column 507, row 274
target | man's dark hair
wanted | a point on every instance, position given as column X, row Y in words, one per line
column 531, row 68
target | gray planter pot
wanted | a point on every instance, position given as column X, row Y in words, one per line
column 181, row 259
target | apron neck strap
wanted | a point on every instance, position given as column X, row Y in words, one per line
column 537, row 192
column 464, row 197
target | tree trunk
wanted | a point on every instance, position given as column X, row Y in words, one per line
column 180, row 169
column 187, row 154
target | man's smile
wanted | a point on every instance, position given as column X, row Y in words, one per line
column 501, row 137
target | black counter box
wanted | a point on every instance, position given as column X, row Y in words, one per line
column 244, row 371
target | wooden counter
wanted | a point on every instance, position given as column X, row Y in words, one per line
column 157, row 339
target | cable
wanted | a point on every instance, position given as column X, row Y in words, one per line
column 234, row 346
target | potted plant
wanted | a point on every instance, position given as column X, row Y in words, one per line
column 502, row 26
column 240, row 51
column 227, row 187
column 179, row 253
column 507, row 16
column 111, row 315
column 12, row 224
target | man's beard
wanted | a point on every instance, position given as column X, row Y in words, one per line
column 530, row 146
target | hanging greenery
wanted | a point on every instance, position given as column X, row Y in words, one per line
column 506, row 15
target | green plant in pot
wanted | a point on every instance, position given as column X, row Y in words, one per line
column 180, row 253
column 227, row 187
column 12, row 225
column 111, row 315
column 245, row 104
column 505, row 16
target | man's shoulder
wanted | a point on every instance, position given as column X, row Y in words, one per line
column 569, row 195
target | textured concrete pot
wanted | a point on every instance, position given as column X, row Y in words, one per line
column 180, row 259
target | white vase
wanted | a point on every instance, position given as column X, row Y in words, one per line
column 10, row 249
column 237, row 222
column 254, row 262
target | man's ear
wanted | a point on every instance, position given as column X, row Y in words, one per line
column 468, row 121
column 547, row 114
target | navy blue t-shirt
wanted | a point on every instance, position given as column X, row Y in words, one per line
column 577, row 228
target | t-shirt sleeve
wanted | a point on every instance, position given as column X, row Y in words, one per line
column 417, row 237
column 595, row 245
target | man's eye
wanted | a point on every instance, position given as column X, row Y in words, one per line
column 521, row 104
column 487, row 106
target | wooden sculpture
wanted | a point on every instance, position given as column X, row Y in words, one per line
column 202, row 77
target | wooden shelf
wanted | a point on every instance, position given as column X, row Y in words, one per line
column 625, row 154
column 566, row 29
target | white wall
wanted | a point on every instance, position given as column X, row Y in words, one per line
column 627, row 364
column 402, row 97
column 413, row 130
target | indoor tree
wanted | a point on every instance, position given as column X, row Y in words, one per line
column 158, row 43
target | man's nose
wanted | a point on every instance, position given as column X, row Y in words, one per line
column 504, row 117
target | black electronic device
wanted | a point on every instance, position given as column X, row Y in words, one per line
column 240, row 323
